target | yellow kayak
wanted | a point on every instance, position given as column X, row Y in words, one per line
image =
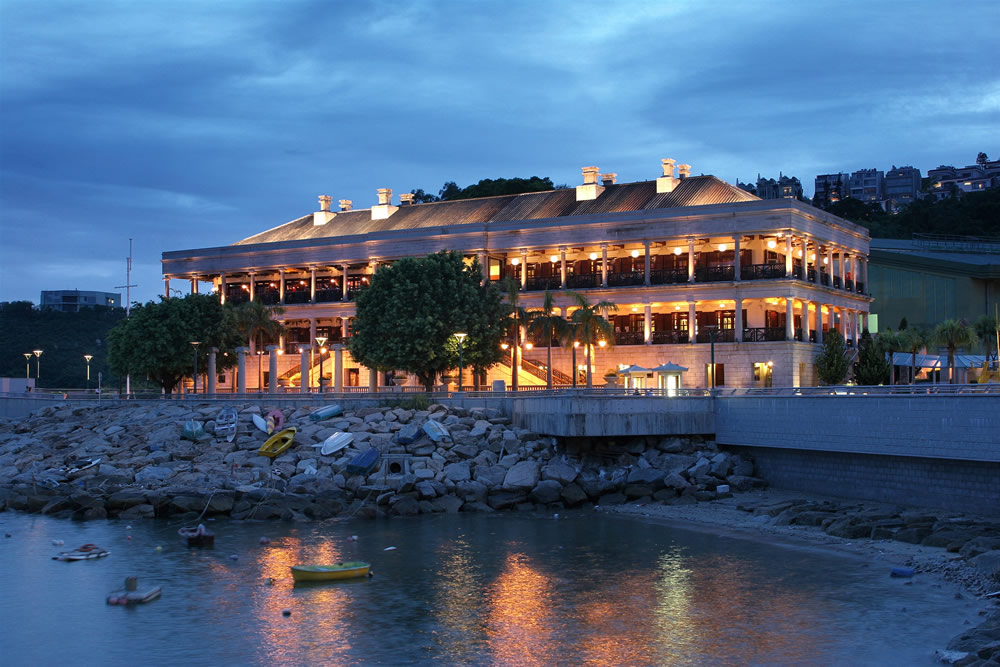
column 278, row 442
column 348, row 570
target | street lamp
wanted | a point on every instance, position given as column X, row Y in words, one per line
column 576, row 344
column 195, row 344
column 88, row 357
column 27, row 365
column 38, row 363
column 321, row 341
column 461, row 339
column 260, row 376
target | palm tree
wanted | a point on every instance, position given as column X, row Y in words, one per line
column 550, row 324
column 517, row 315
column 570, row 339
column 986, row 330
column 254, row 321
column 913, row 340
column 593, row 325
column 954, row 334
column 892, row 342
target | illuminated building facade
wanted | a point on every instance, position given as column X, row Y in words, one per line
column 684, row 258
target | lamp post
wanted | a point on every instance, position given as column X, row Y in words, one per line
column 27, row 365
column 321, row 341
column 38, row 363
column 576, row 344
column 461, row 339
column 195, row 344
column 713, row 331
column 260, row 376
column 88, row 357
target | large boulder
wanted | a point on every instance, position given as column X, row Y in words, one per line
column 560, row 471
column 489, row 475
column 546, row 492
column 153, row 474
column 471, row 491
column 457, row 472
column 572, row 495
column 522, row 476
column 648, row 476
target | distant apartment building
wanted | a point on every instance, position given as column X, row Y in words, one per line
column 831, row 188
column 786, row 187
column 902, row 187
column 868, row 185
column 72, row 301
column 948, row 181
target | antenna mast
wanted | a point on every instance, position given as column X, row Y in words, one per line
column 128, row 304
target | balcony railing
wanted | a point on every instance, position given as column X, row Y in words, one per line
column 537, row 284
column 763, row 334
column 627, row 278
column 713, row 274
column 353, row 293
column 824, row 278
column 670, row 337
column 797, row 272
column 836, row 281
column 583, row 280
column 762, row 271
column 861, row 287
column 849, row 285
column 329, row 295
column 721, row 336
column 242, row 296
column 668, row 276
column 811, row 275
column 629, row 338
column 269, row 298
column 297, row 297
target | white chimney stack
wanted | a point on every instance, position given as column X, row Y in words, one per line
column 406, row 199
column 683, row 171
column 667, row 182
column 609, row 179
column 346, row 204
column 324, row 214
column 385, row 207
column 590, row 189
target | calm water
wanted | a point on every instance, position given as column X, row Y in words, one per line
column 460, row 589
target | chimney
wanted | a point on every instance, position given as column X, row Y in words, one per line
column 609, row 179
column 406, row 199
column 683, row 171
column 590, row 188
column 667, row 182
column 385, row 207
column 346, row 204
column 324, row 214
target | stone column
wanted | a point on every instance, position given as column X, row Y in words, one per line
column 312, row 286
column 604, row 265
column 305, row 370
column 281, row 286
column 562, row 267
column 789, row 318
column 864, row 273
column 312, row 339
column 854, row 327
column 788, row 255
column 829, row 263
column 252, row 277
column 692, row 320
column 343, row 278
column 212, row 352
column 272, row 369
column 338, row 367
column 484, row 266
column 166, row 288
column 194, row 286
column 524, row 269
column 241, row 369
column 281, row 338
column 819, row 321
column 805, row 321
column 805, row 259
column 372, row 380
column 739, row 320
column 345, row 329
column 737, row 266
column 691, row 261
column 648, row 318
column 843, row 276
column 222, row 288
column 646, row 281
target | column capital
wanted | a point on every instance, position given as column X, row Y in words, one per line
column 647, row 244
column 604, row 245
column 242, row 350
column 563, row 248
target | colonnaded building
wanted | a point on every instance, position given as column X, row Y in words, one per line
column 685, row 258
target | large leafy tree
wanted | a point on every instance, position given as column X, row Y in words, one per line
column 485, row 326
column 407, row 318
column 871, row 368
column 954, row 334
column 831, row 364
column 549, row 324
column 592, row 325
column 156, row 340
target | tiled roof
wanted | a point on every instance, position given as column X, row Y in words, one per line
column 621, row 198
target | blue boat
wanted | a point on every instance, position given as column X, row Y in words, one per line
column 364, row 462
column 408, row 434
column 326, row 412
column 437, row 431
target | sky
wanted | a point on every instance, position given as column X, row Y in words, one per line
column 196, row 124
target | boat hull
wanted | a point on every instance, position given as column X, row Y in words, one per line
column 335, row 443
column 335, row 572
column 326, row 412
column 364, row 462
column 92, row 553
column 278, row 443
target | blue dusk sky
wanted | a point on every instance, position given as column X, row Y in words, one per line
column 193, row 124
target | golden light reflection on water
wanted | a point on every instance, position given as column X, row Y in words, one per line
column 520, row 616
column 459, row 601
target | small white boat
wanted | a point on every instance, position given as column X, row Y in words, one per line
column 79, row 466
column 84, row 552
column 260, row 423
column 334, row 443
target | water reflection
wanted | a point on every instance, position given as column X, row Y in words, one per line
column 458, row 585
column 520, row 615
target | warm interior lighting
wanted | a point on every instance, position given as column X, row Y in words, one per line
column 529, row 346
column 772, row 244
column 602, row 343
column 678, row 251
column 635, row 309
column 593, row 256
column 553, row 258
column 677, row 307
column 635, row 253
column 515, row 261
column 812, row 257
column 722, row 304
column 504, row 346
column 826, row 260
column 722, row 247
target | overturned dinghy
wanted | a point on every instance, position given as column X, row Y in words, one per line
column 437, row 431
column 131, row 594
column 326, row 412
column 334, row 443
column 364, row 462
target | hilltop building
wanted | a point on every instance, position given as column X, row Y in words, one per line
column 947, row 181
column 902, row 187
column 73, row 300
column 786, row 187
column 685, row 259
column 831, row 188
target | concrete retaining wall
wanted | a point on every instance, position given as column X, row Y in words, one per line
column 570, row 416
column 961, row 486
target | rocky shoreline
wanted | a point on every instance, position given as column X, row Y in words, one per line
column 147, row 469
